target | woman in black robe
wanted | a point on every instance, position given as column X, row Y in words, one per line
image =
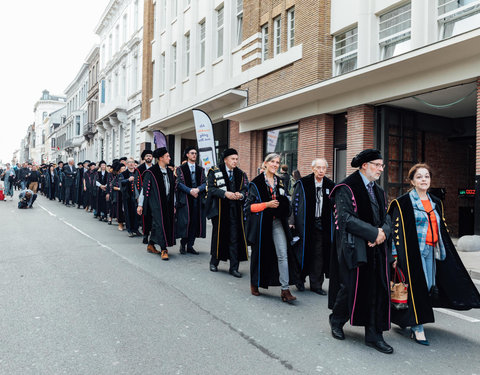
column 434, row 272
column 50, row 182
column 267, row 211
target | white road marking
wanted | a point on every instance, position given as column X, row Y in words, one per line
column 88, row 236
column 457, row 315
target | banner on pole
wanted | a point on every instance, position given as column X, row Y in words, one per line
column 205, row 139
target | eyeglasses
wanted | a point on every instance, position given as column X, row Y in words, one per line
column 377, row 165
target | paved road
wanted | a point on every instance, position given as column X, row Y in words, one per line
column 79, row 297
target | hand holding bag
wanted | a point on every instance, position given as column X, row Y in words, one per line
column 399, row 291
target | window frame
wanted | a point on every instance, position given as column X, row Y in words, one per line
column 396, row 38
column 264, row 41
column 277, row 35
column 347, row 56
column 220, row 31
column 290, row 27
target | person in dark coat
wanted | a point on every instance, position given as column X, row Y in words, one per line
column 426, row 255
column 190, row 190
column 129, row 182
column 89, row 188
column 50, row 182
column 59, row 180
column 359, row 286
column 267, row 209
column 147, row 157
column 81, row 196
column 312, row 213
column 158, row 195
column 70, row 173
column 102, row 180
column 226, row 193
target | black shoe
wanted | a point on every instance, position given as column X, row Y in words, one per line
column 300, row 287
column 137, row 233
column 192, row 251
column 182, row 249
column 381, row 346
column 213, row 267
column 130, row 234
column 145, row 240
column 319, row 291
column 235, row 273
column 78, row 207
column 337, row 332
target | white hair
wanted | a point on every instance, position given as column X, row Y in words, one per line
column 315, row 161
column 70, row 159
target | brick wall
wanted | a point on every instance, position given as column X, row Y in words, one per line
column 147, row 73
column 360, row 131
column 250, row 148
column 312, row 30
column 315, row 140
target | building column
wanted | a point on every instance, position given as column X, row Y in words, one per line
column 315, row 140
column 477, row 165
column 360, row 131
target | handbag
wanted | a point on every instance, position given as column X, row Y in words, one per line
column 399, row 291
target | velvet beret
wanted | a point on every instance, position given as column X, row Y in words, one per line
column 159, row 152
column 228, row 152
column 365, row 156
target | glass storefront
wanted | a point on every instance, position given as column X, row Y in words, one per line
column 283, row 141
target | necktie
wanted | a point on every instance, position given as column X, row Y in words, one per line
column 230, row 175
column 167, row 185
column 370, row 190
column 318, row 209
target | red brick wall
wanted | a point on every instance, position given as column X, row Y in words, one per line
column 360, row 131
column 250, row 148
column 315, row 140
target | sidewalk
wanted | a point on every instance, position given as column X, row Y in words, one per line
column 471, row 260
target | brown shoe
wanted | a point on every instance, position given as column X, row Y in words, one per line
column 151, row 249
column 120, row 226
column 164, row 255
column 254, row 290
column 286, row 296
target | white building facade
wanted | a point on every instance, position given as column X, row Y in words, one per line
column 120, row 30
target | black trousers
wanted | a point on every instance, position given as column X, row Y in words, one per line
column 341, row 311
column 130, row 209
column 315, row 268
column 193, row 226
column 69, row 192
column 232, row 243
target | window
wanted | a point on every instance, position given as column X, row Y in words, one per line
column 110, row 46
column 264, row 42
column 102, row 92
column 174, row 64
column 44, row 116
column 395, row 32
column 202, row 35
column 125, row 29
column 457, row 16
column 115, row 85
column 277, row 37
column 135, row 16
column 133, row 136
column 187, row 3
column 291, row 28
column 186, row 55
column 239, row 34
column 162, row 72
column 135, row 72
column 154, row 77
column 163, row 14
column 77, row 123
column 103, row 54
column 220, row 32
column 154, row 20
column 346, row 47
column 117, row 38
column 174, row 8
column 283, row 141
column 124, row 81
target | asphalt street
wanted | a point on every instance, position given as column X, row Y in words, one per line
column 79, row 297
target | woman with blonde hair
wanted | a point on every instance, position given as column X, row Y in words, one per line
column 425, row 254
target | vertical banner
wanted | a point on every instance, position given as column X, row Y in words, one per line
column 205, row 140
column 272, row 139
column 159, row 139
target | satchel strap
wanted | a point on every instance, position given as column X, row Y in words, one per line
column 399, row 273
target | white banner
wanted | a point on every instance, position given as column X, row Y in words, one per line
column 272, row 139
column 205, row 139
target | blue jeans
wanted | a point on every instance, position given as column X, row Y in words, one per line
column 280, row 242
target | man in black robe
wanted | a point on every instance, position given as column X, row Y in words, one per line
column 129, row 182
column 226, row 193
column 81, row 196
column 190, row 190
column 59, row 181
column 157, row 196
column 70, row 173
column 147, row 157
column 359, row 276
column 312, row 212
column 101, row 183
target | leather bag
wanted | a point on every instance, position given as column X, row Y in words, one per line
column 399, row 291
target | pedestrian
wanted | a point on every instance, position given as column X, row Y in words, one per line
column 102, row 179
column 427, row 257
column 70, row 173
column 226, row 193
column 293, row 180
column 50, row 182
column 359, row 286
column 79, row 183
column 59, row 182
column 158, row 196
column 190, row 204
column 33, row 179
column 119, row 168
column 22, row 176
column 267, row 210
column 8, row 178
column 130, row 186
column 147, row 157
column 26, row 197
column 312, row 212
column 283, row 174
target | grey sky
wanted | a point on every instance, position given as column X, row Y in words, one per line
column 44, row 43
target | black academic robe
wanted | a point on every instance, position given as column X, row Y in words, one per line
column 91, row 191
column 304, row 201
column 50, row 185
column 161, row 207
column 102, row 194
column 79, row 187
column 456, row 289
column 352, row 259
column 184, row 202
column 59, row 185
column 263, row 261
column 218, row 210
column 146, row 215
